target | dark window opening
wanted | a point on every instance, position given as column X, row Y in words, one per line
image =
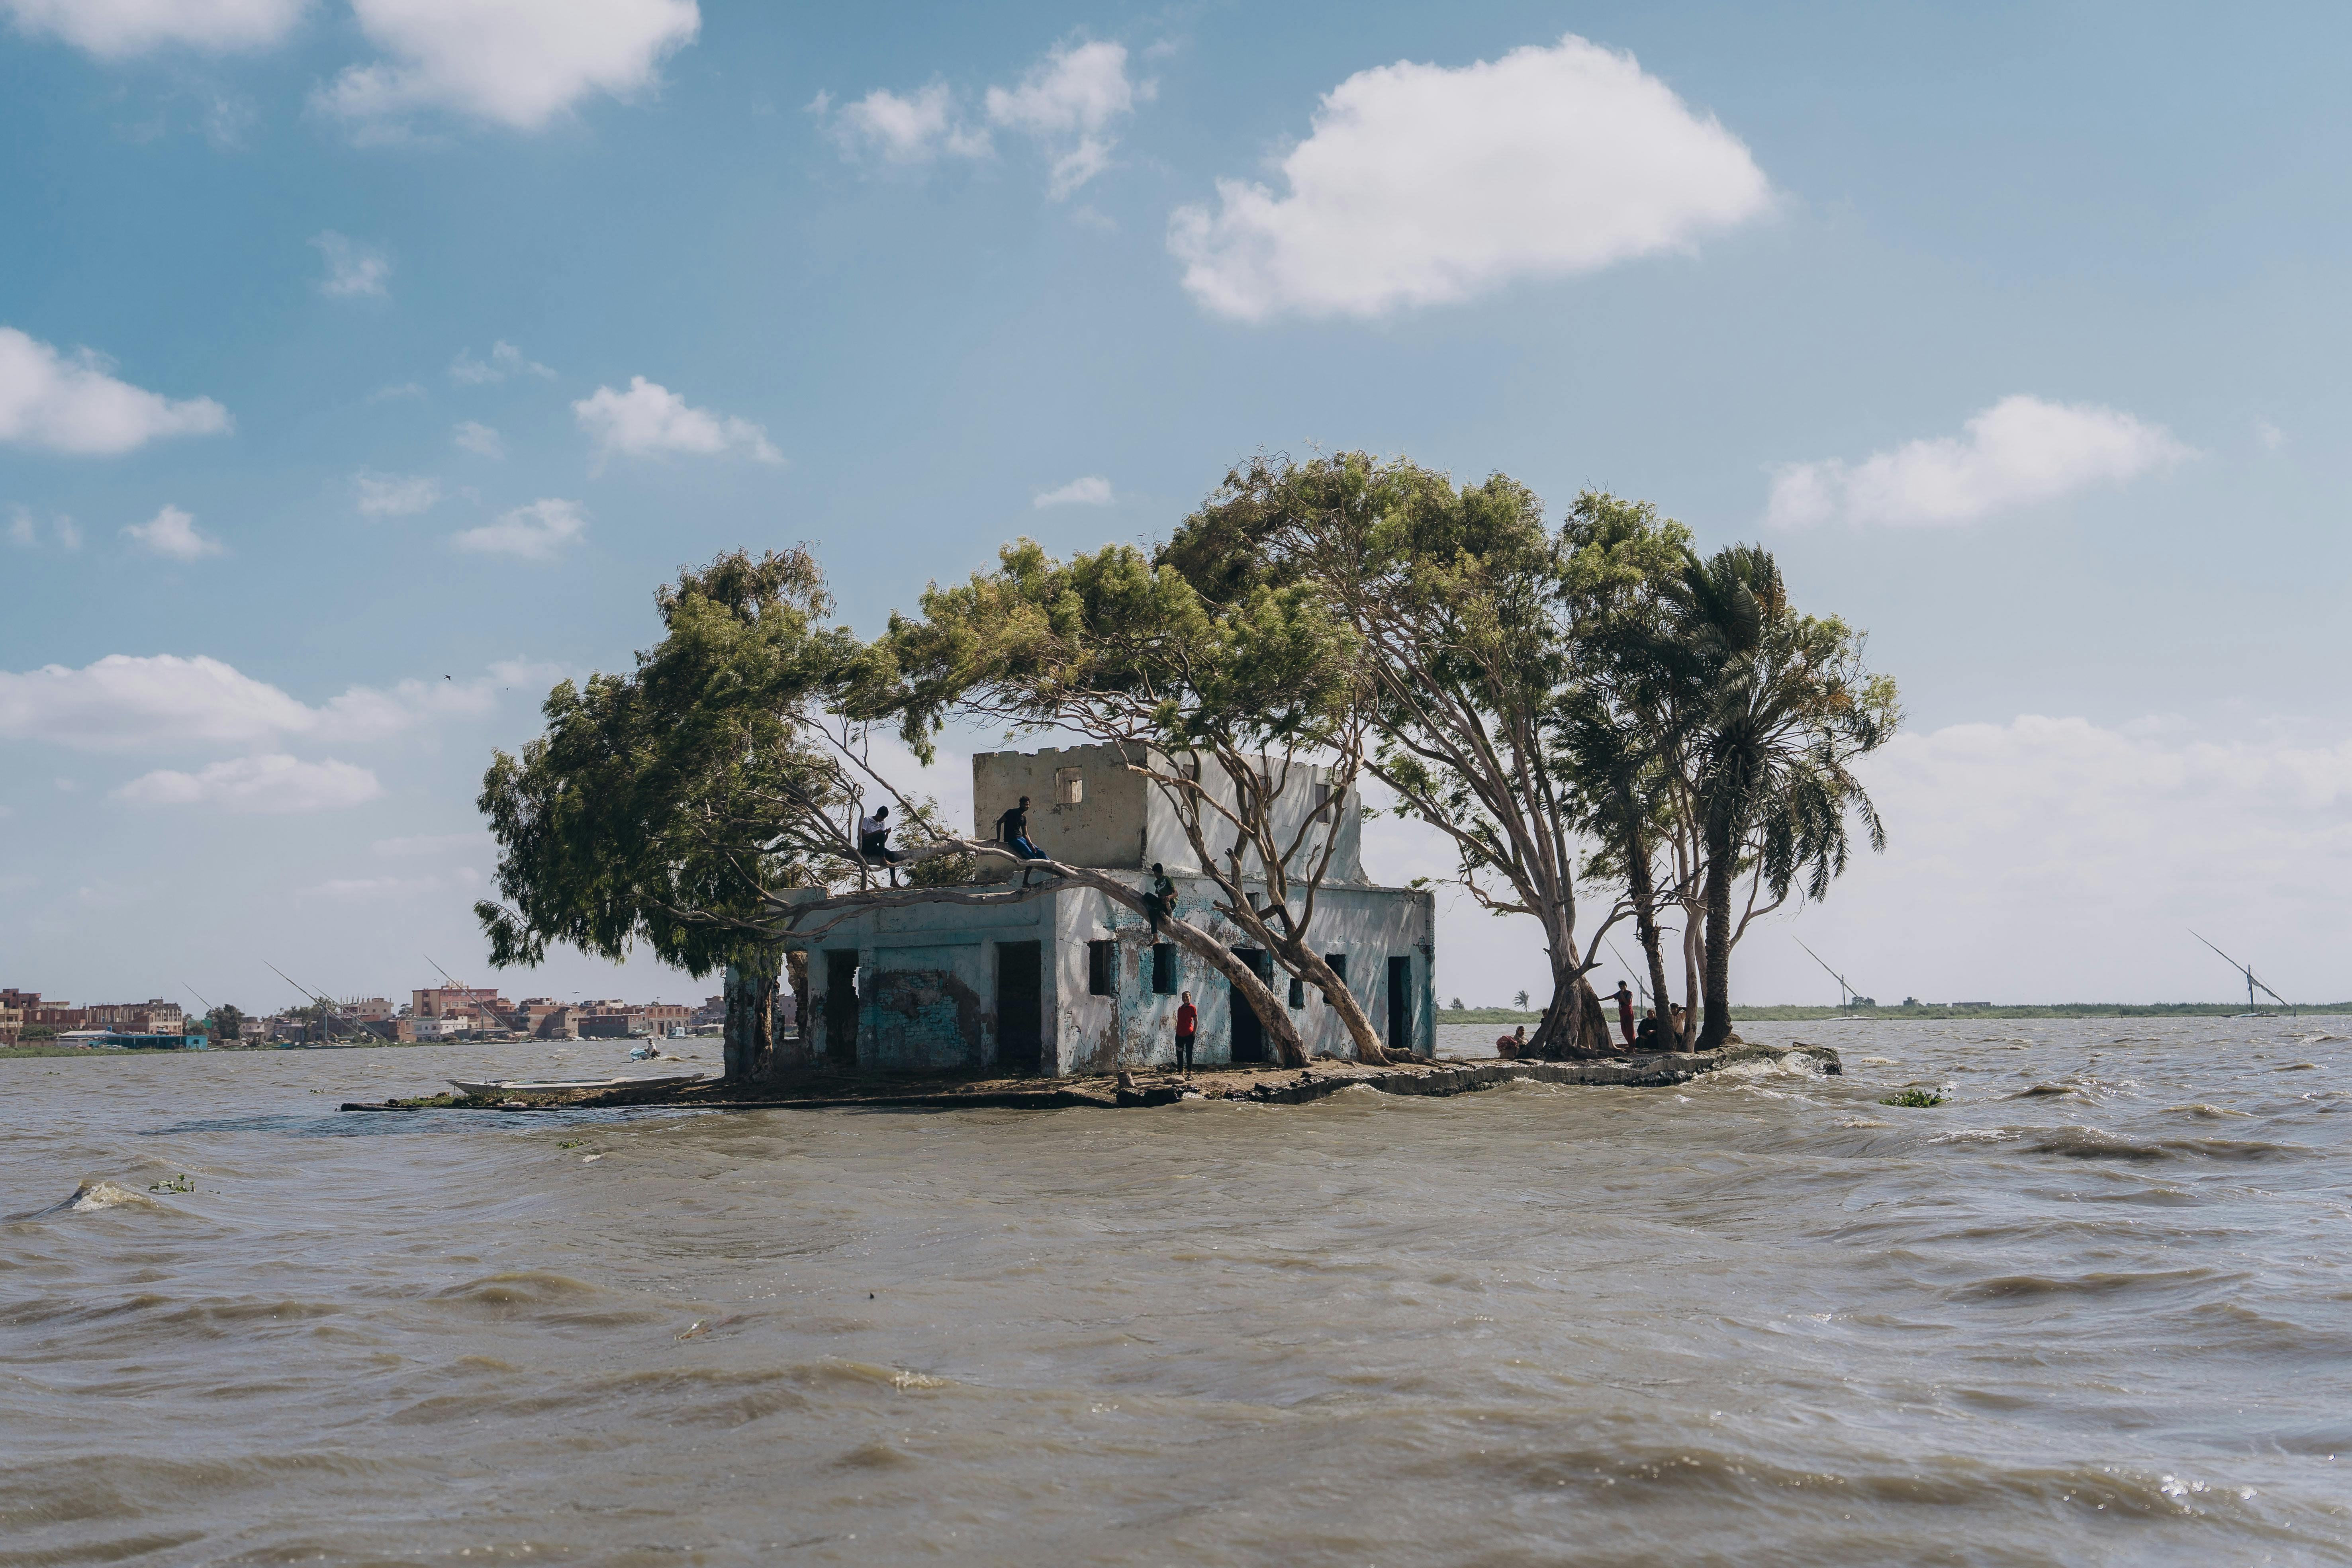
column 1400, row 1006
column 1163, row 969
column 1020, row 1013
column 1297, row 992
column 1339, row 962
column 1249, row 1033
column 841, row 1009
column 1098, row 968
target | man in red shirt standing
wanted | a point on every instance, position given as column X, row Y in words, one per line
column 1188, row 1024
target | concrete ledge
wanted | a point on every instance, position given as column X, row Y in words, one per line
column 1262, row 1086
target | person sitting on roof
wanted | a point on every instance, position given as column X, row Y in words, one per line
column 872, row 841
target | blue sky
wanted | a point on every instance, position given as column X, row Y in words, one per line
column 386, row 354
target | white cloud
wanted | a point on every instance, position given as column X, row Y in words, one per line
column 128, row 702
column 74, row 405
column 393, row 495
column 171, row 534
column 353, row 268
column 650, row 420
column 112, row 29
column 2271, row 438
column 1068, row 104
column 535, row 532
column 376, row 890
column 1092, row 490
column 475, row 436
column 428, row 843
column 1068, row 101
column 2052, row 859
column 1423, row 185
column 518, row 63
column 2019, row 452
column 505, row 360
column 911, row 129
column 25, row 530
column 276, row 785
column 406, row 389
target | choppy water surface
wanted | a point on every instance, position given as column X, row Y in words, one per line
column 2096, row 1310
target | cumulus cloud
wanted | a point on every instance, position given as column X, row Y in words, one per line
column 353, row 269
column 114, row 29
column 403, row 390
column 1423, row 185
column 535, row 532
column 275, row 784
column 428, row 843
column 1068, row 102
column 1092, row 490
column 171, row 534
column 142, row 702
column 73, row 405
column 25, row 533
column 376, row 890
column 393, row 495
column 911, row 128
column 478, row 438
column 505, row 360
column 2050, row 859
column 518, row 63
column 650, row 420
column 2019, row 452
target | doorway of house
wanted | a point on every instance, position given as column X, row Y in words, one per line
column 1020, row 1013
column 841, row 1009
column 1400, row 1006
column 1249, row 1035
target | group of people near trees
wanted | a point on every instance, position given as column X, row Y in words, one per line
column 1603, row 725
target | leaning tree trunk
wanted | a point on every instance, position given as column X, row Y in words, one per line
column 1312, row 968
column 1644, row 888
column 1719, row 870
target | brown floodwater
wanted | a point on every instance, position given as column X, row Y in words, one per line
column 2093, row 1310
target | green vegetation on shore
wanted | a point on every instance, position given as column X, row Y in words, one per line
column 1795, row 1015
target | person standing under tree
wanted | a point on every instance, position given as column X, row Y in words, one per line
column 1625, row 1010
column 1188, row 1024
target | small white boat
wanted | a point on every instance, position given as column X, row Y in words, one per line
column 492, row 1087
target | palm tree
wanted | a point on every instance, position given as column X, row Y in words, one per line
column 1775, row 706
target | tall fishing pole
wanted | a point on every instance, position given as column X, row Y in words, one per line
column 1641, row 992
column 325, row 1004
column 2251, row 980
column 1844, row 990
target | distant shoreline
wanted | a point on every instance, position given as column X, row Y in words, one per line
column 1794, row 1015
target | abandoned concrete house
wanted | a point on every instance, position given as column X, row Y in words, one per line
column 1069, row 982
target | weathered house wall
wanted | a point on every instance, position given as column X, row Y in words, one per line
column 1123, row 819
column 929, row 981
column 944, row 986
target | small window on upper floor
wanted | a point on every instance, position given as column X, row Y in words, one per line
column 1100, row 959
column 1069, row 786
column 1339, row 962
column 1297, row 992
column 1163, row 969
